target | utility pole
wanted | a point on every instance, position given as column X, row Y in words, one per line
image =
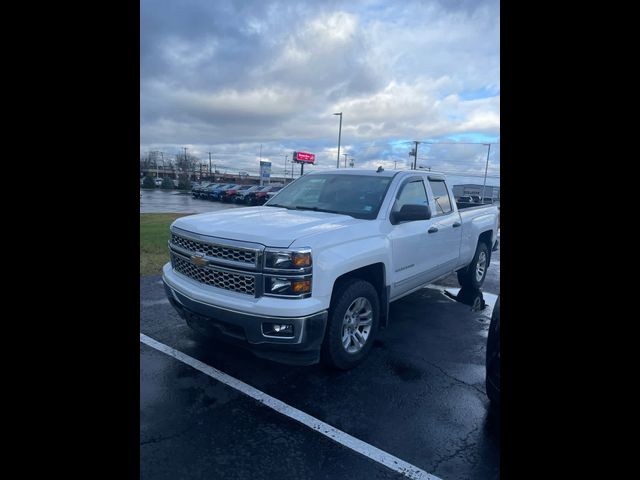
column 414, row 152
column 155, row 161
column 345, row 160
column 485, row 171
column 186, row 164
column 339, row 135
column 260, row 151
column 395, row 164
column 285, row 166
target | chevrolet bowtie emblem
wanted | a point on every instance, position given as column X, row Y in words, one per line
column 198, row 259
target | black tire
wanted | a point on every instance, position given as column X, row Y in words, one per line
column 492, row 362
column 333, row 353
column 467, row 276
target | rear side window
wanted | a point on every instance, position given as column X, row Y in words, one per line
column 441, row 197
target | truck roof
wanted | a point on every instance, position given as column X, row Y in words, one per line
column 384, row 173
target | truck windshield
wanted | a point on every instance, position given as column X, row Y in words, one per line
column 359, row 196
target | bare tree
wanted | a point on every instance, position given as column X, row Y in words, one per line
column 186, row 165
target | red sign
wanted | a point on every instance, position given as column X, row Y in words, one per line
column 305, row 157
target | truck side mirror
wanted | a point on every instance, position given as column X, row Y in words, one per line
column 410, row 213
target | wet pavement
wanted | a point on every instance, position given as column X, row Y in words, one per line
column 174, row 201
column 419, row 395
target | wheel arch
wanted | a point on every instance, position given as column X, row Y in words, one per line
column 375, row 274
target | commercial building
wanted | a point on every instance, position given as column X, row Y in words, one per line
column 470, row 189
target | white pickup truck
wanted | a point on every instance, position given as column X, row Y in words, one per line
column 310, row 275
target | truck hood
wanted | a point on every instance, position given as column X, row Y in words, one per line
column 270, row 226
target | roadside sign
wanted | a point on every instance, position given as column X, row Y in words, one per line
column 304, row 157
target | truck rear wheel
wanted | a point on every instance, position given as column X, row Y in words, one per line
column 474, row 274
column 351, row 326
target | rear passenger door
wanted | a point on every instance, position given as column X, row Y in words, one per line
column 446, row 241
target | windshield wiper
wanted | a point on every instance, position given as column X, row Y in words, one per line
column 277, row 205
column 316, row 209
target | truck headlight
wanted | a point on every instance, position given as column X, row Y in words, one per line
column 288, row 273
column 287, row 286
column 298, row 259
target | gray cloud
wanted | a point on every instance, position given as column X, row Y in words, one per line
column 227, row 76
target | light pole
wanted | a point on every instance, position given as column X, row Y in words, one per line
column 485, row 170
column 285, row 167
column 339, row 135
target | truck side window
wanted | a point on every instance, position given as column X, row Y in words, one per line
column 441, row 197
column 413, row 193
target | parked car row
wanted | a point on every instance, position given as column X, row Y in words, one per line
column 229, row 192
column 475, row 199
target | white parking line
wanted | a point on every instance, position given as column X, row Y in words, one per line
column 369, row 451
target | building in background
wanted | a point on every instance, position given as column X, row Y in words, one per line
column 474, row 190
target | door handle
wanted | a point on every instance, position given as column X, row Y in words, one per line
column 456, row 224
column 432, row 230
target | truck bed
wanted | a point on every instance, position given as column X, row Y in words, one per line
column 468, row 205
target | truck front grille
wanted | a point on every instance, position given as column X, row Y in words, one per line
column 248, row 257
column 235, row 282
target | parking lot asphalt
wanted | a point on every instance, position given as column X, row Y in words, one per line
column 174, row 201
column 418, row 396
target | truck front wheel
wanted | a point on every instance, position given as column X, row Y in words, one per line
column 351, row 326
column 474, row 274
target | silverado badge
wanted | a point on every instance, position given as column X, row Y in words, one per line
column 198, row 259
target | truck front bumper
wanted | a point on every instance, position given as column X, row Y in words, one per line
column 248, row 330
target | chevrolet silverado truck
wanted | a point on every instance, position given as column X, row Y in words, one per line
column 309, row 276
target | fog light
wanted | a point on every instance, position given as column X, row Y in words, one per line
column 277, row 329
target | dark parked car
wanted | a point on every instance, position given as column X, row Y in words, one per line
column 205, row 191
column 216, row 193
column 269, row 195
column 259, row 196
column 198, row 188
column 229, row 195
column 241, row 196
column 493, row 356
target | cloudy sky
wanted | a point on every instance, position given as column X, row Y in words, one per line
column 231, row 77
